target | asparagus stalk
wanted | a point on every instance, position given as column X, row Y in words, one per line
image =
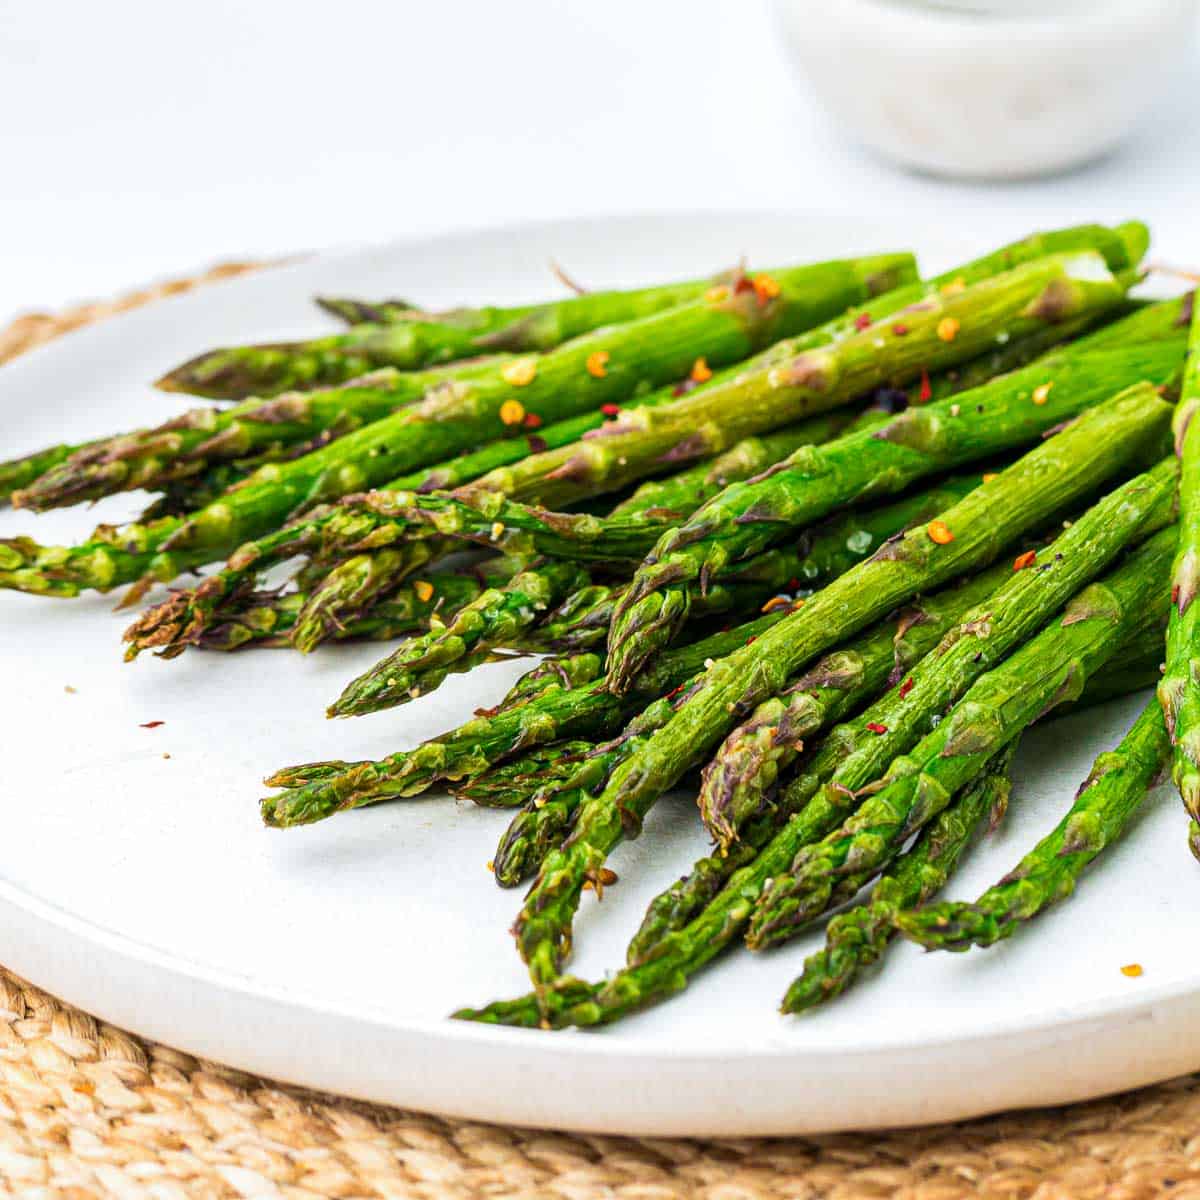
column 968, row 535
column 494, row 618
column 1179, row 691
column 18, row 473
column 747, row 517
column 461, row 413
column 1136, row 668
column 551, row 809
column 266, row 618
column 857, row 939
column 665, row 965
column 463, row 333
column 755, row 753
column 201, row 437
column 564, row 670
column 1118, row 783
column 1122, row 247
column 1110, row 330
column 1050, row 668
column 510, row 784
column 353, row 311
column 318, row 790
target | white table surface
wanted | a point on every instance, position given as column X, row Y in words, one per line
column 143, row 139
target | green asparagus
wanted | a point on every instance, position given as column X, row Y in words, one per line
column 747, row 517
column 857, row 939
column 1041, row 583
column 1115, row 789
column 969, row 534
column 318, row 790
column 1050, row 668
column 461, row 334
column 1179, row 691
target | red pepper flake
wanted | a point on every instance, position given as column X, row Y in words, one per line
column 70, row 690
column 744, row 284
column 532, row 421
column 424, row 590
column 1132, row 970
column 793, row 584
column 939, row 532
column 900, row 330
column 597, row 364
column 1175, row 593
column 875, row 727
column 947, row 329
column 925, row 394
column 905, row 687
column 751, row 640
column 611, row 410
column 776, row 602
column 536, row 444
column 862, row 321
column 151, row 724
column 683, row 387
column 1042, row 393
column 1024, row 560
column 988, row 476
column 701, row 371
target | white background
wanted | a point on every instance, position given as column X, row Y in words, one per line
column 141, row 139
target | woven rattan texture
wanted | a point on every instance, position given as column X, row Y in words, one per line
column 90, row 1111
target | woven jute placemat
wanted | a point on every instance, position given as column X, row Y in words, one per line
column 87, row 1110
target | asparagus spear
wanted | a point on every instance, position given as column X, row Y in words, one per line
column 352, row 311
column 754, row 754
column 1118, row 783
column 747, row 517
column 551, row 808
column 967, row 536
column 18, row 473
column 494, row 618
column 857, row 939
column 464, row 333
column 201, row 437
column 318, row 790
column 1135, row 668
column 510, row 784
column 418, row 338
column 461, row 413
column 1046, row 670
column 266, row 618
column 1179, row 691
column 665, row 965
column 564, row 670
column 1122, row 247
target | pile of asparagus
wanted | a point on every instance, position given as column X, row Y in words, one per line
column 819, row 542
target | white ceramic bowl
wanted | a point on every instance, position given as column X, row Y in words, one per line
column 986, row 89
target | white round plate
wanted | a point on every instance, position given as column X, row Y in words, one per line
column 137, row 882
